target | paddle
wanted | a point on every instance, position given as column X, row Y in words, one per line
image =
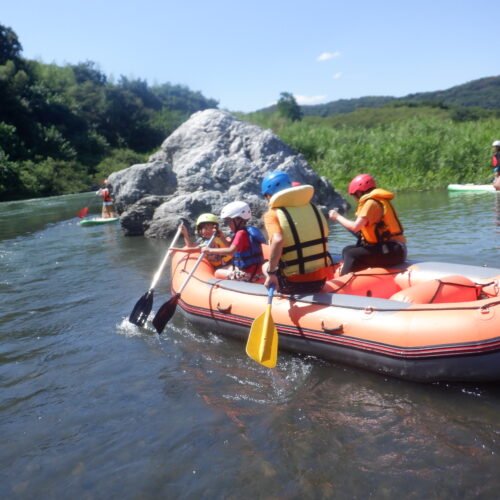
column 262, row 344
column 167, row 310
column 143, row 307
column 83, row 212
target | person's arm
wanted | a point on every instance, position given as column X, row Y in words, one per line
column 219, row 251
column 351, row 225
column 224, row 240
column 270, row 268
column 187, row 239
column 275, row 250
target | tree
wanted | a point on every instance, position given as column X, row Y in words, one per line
column 10, row 48
column 288, row 107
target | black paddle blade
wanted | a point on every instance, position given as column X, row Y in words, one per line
column 165, row 312
column 141, row 310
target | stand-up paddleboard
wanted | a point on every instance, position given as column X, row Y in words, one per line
column 472, row 187
column 98, row 220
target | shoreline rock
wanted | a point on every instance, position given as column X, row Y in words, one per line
column 210, row 160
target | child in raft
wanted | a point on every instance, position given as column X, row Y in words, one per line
column 245, row 246
column 206, row 226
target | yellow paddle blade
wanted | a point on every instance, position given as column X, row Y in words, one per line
column 262, row 344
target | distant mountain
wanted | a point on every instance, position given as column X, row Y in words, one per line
column 483, row 93
column 346, row 105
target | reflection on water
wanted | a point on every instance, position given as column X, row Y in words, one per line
column 98, row 408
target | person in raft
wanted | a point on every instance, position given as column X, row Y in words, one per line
column 108, row 209
column 495, row 163
column 245, row 246
column 298, row 236
column 206, row 226
column 381, row 242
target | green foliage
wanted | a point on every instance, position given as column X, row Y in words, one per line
column 43, row 178
column 67, row 122
column 50, row 177
column 118, row 159
column 483, row 93
column 416, row 152
column 10, row 48
column 288, row 107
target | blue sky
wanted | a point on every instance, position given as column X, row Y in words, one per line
column 244, row 54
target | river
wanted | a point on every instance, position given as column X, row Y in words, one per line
column 93, row 407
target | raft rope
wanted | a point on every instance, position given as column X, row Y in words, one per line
column 476, row 287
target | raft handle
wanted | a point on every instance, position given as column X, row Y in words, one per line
column 224, row 309
column 484, row 309
column 337, row 330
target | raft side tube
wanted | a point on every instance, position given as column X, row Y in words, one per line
column 418, row 272
column 321, row 299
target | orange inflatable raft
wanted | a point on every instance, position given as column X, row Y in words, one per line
column 421, row 321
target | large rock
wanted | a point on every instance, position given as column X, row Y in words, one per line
column 210, row 160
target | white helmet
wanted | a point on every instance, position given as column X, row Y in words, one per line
column 236, row 209
column 496, row 143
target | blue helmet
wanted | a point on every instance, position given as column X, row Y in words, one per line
column 274, row 182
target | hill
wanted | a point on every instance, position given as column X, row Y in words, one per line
column 483, row 93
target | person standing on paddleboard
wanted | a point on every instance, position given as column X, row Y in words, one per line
column 108, row 209
column 495, row 163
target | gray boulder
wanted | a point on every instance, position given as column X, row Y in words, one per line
column 210, row 160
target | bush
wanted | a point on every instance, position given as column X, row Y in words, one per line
column 414, row 153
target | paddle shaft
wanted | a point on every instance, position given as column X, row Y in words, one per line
column 167, row 310
column 83, row 212
column 165, row 259
column 267, row 318
column 142, row 308
column 200, row 258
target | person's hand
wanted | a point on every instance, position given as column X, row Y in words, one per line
column 271, row 279
column 333, row 215
column 184, row 230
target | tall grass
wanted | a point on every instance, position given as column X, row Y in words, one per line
column 414, row 153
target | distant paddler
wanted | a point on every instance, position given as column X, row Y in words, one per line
column 108, row 209
column 495, row 163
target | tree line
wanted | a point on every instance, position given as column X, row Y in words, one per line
column 64, row 128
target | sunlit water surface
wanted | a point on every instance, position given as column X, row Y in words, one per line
column 94, row 407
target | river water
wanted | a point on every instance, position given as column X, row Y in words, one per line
column 93, row 407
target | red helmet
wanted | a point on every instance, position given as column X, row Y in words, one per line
column 362, row 182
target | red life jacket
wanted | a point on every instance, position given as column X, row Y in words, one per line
column 106, row 195
column 494, row 160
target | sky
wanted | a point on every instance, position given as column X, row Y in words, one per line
column 245, row 54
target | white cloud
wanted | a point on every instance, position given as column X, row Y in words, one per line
column 303, row 99
column 327, row 55
column 336, row 76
